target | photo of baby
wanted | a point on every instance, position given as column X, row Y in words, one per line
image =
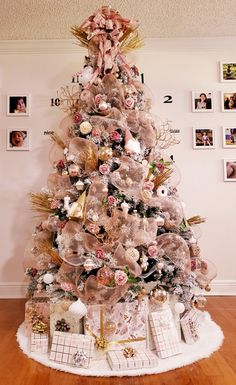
column 230, row 170
column 17, row 139
column 18, row 105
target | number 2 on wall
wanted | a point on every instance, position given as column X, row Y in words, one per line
column 168, row 99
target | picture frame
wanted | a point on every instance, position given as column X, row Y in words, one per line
column 18, row 105
column 18, row 139
column 227, row 71
column 229, row 137
column 230, row 170
column 228, row 100
column 202, row 101
column 203, row 138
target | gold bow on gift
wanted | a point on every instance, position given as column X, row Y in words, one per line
column 101, row 342
column 39, row 327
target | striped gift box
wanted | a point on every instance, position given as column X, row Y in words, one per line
column 72, row 349
column 141, row 359
column 164, row 333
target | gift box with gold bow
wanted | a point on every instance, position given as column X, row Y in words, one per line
column 37, row 314
column 130, row 358
column 115, row 326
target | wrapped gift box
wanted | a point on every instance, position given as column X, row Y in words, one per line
column 190, row 324
column 164, row 333
column 39, row 342
column 59, row 311
column 141, row 359
column 36, row 309
column 72, row 349
column 112, row 327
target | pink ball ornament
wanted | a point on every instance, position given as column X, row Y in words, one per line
column 105, row 275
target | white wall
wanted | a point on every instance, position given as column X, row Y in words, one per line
column 170, row 66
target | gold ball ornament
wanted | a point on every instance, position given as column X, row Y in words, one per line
column 109, row 328
column 159, row 295
column 105, row 153
column 208, row 288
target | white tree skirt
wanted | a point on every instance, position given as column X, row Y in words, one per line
column 211, row 338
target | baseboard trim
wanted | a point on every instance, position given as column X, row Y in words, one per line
column 18, row 289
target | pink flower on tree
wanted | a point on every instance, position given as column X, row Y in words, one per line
column 129, row 103
column 78, row 118
column 160, row 167
column 100, row 254
column 96, row 133
column 55, row 204
column 104, row 169
column 153, row 251
column 148, row 185
column 120, row 277
column 115, row 136
column 111, row 200
column 98, row 98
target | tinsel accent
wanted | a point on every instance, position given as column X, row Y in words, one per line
column 46, row 247
column 40, row 203
column 89, row 157
column 196, row 220
column 56, row 138
column 162, row 177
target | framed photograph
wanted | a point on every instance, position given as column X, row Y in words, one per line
column 18, row 105
column 230, row 170
column 228, row 101
column 227, row 72
column 203, row 138
column 229, row 137
column 202, row 101
column 18, row 139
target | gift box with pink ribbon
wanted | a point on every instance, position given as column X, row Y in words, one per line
column 72, row 349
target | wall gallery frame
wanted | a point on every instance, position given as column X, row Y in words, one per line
column 203, row 138
column 229, row 137
column 230, row 170
column 18, row 105
column 18, row 139
column 227, row 72
column 202, row 101
column 228, row 100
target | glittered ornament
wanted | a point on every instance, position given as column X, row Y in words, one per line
column 48, row 278
column 73, row 170
column 159, row 295
column 105, row 275
column 132, row 253
column 109, row 328
column 105, row 153
column 89, row 264
column 85, row 128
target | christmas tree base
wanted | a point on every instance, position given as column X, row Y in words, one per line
column 211, row 338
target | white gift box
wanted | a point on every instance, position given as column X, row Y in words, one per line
column 190, row 324
column 141, row 359
column 164, row 333
column 39, row 343
column 72, row 349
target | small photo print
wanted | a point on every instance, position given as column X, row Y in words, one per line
column 229, row 137
column 18, row 139
column 228, row 101
column 203, row 138
column 228, row 72
column 230, row 170
column 18, row 105
column 202, row 101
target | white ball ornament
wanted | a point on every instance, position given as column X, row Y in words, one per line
column 78, row 309
column 103, row 106
column 179, row 308
column 85, row 75
column 48, row 278
column 162, row 191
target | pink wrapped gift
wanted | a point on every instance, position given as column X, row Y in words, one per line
column 164, row 333
column 39, row 343
column 190, row 324
column 112, row 327
column 141, row 359
column 72, row 349
column 36, row 310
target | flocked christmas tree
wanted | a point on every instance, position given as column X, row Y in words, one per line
column 113, row 227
